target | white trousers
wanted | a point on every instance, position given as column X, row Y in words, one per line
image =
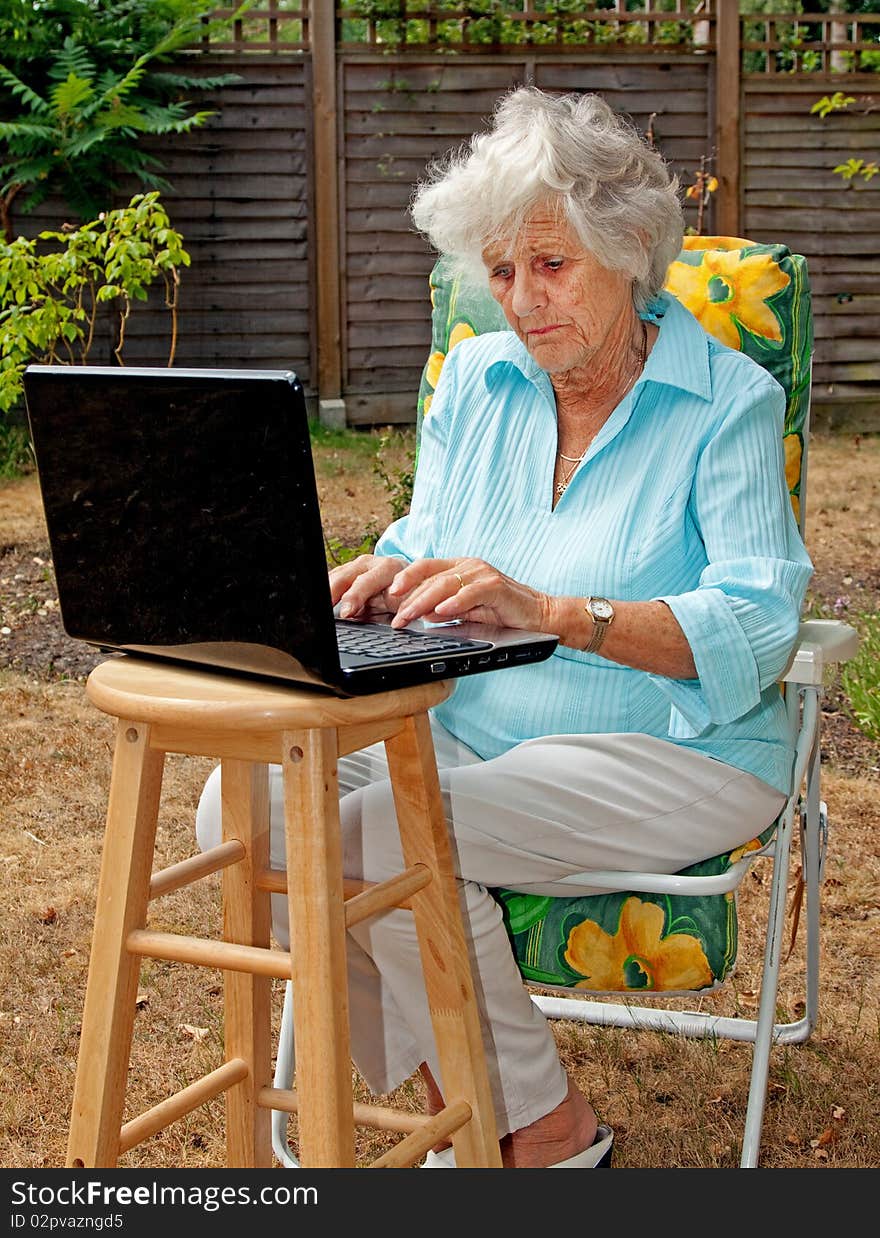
column 548, row 808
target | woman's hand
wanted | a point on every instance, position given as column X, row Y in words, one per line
column 442, row 589
column 361, row 586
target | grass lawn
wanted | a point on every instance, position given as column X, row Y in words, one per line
column 671, row 1102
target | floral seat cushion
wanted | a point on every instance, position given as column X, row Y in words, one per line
column 754, row 298
column 626, row 942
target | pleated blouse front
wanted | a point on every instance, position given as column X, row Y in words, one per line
column 681, row 496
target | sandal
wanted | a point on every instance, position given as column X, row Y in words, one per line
column 596, row 1156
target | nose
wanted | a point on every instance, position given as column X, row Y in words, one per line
column 527, row 296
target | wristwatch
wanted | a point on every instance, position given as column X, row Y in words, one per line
column 601, row 612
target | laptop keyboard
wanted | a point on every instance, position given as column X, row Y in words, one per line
column 376, row 640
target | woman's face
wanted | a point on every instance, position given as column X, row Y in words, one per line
column 559, row 299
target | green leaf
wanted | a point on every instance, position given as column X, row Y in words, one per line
column 73, row 58
column 109, row 85
column 26, row 129
column 25, row 93
column 849, row 169
column 124, row 115
column 69, row 96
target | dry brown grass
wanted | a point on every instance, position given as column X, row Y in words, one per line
column 671, row 1102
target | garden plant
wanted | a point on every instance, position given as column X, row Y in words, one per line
column 50, row 297
column 82, row 84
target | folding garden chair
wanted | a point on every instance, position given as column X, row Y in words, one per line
column 656, row 934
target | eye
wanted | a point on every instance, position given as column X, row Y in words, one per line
column 554, row 264
column 503, row 271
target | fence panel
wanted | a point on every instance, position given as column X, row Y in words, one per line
column 396, row 117
column 791, row 194
column 241, row 200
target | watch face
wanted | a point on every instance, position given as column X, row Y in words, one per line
column 600, row 609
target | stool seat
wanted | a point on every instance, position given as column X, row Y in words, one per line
column 248, row 724
column 155, row 692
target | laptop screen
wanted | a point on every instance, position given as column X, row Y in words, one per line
column 182, row 507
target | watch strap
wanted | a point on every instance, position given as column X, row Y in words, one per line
column 600, row 627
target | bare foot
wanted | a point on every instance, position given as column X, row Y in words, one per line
column 568, row 1129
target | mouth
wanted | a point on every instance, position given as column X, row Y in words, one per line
column 539, row 331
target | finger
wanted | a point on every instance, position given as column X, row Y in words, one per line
column 423, row 602
column 356, row 593
column 417, row 572
column 462, row 600
column 342, row 576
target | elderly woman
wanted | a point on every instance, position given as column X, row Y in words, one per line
column 607, row 472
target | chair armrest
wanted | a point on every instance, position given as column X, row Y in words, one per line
column 820, row 643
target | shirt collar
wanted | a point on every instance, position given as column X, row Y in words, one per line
column 679, row 358
column 512, row 353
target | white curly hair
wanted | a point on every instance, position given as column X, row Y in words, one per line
column 574, row 153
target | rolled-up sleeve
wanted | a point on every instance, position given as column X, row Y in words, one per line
column 742, row 619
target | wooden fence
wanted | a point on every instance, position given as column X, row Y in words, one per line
column 293, row 199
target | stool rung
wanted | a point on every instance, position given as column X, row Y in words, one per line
column 176, row 876
column 182, row 1103
column 393, row 892
column 414, row 1146
column 228, row 955
column 274, row 881
column 378, row 1117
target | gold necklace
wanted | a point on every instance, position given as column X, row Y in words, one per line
column 562, row 485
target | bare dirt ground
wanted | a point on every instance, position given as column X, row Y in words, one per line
column 670, row 1102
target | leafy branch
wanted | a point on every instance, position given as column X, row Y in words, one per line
column 866, row 169
column 50, row 299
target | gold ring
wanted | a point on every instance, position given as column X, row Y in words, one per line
column 459, row 579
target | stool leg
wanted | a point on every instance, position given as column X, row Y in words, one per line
column 318, row 949
column 424, row 839
column 247, row 921
column 111, row 990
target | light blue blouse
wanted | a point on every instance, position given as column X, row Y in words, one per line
column 681, row 496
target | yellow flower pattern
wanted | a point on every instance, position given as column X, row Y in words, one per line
column 727, row 291
column 636, row 957
column 754, row 844
column 461, row 331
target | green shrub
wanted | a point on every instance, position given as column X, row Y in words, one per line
column 337, row 552
column 51, row 290
column 16, row 458
column 398, row 481
column 82, row 84
column 861, row 676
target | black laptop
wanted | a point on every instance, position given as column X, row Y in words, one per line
column 184, row 524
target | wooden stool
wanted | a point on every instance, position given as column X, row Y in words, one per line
column 248, row 724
